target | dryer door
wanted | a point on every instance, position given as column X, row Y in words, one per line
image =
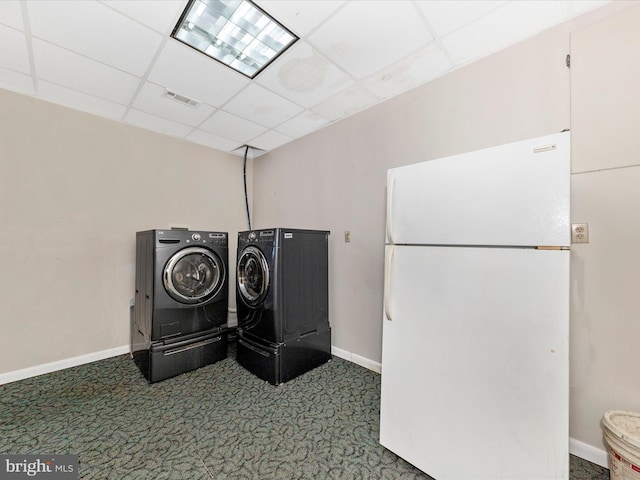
column 193, row 275
column 252, row 276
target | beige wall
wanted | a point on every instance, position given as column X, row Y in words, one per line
column 605, row 300
column 335, row 179
column 74, row 189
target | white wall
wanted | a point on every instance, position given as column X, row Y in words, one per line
column 74, row 189
column 335, row 179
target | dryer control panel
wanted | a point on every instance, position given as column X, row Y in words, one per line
column 256, row 236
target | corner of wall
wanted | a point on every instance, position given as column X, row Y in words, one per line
column 357, row 359
column 588, row 452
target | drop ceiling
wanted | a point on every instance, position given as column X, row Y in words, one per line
column 115, row 59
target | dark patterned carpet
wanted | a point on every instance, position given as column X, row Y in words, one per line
column 219, row 422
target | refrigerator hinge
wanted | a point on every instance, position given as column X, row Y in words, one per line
column 568, row 61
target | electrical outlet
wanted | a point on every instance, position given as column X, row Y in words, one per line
column 579, row 233
column 347, row 236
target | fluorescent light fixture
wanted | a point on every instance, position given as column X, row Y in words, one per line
column 234, row 32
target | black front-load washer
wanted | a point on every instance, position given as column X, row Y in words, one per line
column 181, row 301
column 282, row 302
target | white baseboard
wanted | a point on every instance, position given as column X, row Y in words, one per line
column 588, row 452
column 61, row 364
column 357, row 359
column 113, row 352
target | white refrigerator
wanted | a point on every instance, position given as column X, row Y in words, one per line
column 475, row 350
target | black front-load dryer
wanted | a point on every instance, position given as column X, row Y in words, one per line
column 181, row 300
column 282, row 302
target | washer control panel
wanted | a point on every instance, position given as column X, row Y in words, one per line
column 183, row 236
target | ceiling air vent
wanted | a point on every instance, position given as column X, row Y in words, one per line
column 182, row 99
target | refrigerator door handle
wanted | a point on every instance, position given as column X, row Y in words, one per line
column 390, row 186
column 387, row 283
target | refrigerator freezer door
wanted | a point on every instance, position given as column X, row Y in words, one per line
column 475, row 362
column 515, row 194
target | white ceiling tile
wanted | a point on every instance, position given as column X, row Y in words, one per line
column 270, row 140
column 345, row 103
column 303, row 124
column 213, row 141
column 301, row 17
column 181, row 69
column 152, row 99
column 259, row 105
column 16, row 82
column 68, row 69
column 17, row 57
column 80, row 101
column 445, row 16
column 577, row 7
column 11, row 14
column 304, row 76
column 156, row 124
column 161, row 15
column 229, row 126
column 114, row 58
column 508, row 24
column 103, row 34
column 419, row 68
column 365, row 37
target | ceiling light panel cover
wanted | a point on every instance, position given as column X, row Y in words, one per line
column 236, row 33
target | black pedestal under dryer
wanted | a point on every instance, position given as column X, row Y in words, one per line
column 282, row 302
column 181, row 301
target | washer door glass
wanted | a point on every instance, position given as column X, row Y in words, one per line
column 193, row 275
column 252, row 276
